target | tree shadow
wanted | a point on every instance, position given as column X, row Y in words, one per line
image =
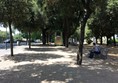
column 37, row 73
column 71, row 49
column 43, row 49
column 51, row 68
column 31, row 57
column 113, row 50
column 57, row 73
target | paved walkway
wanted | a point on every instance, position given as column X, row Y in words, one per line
column 54, row 64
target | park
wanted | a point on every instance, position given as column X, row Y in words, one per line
column 49, row 41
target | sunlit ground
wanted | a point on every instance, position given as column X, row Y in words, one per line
column 56, row 64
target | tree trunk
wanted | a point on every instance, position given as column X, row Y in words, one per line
column 80, row 51
column 96, row 40
column 110, row 41
column 50, row 40
column 44, row 36
column 107, row 41
column 86, row 15
column 47, row 38
column 114, row 40
column 65, row 32
column 66, row 41
column 101, row 40
column 63, row 39
column 29, row 42
column 11, row 38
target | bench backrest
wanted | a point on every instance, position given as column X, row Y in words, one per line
column 104, row 51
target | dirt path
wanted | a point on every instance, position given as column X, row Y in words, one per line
column 56, row 64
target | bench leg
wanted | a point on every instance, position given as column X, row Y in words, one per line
column 104, row 57
column 96, row 56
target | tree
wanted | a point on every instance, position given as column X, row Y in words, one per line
column 42, row 19
column 112, row 9
column 88, row 7
column 86, row 12
column 18, row 36
column 11, row 12
column 104, row 20
column 63, row 16
column 29, row 24
column 36, row 35
column 2, row 36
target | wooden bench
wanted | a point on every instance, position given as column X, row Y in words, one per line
column 103, row 53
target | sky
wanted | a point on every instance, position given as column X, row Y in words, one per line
column 4, row 29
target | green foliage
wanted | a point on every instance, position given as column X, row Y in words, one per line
column 18, row 37
column 36, row 35
column 104, row 21
column 76, row 33
column 112, row 9
column 88, row 32
column 59, row 13
column 25, row 35
column 2, row 36
column 13, row 10
column 88, row 35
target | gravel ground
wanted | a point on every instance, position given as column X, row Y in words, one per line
column 55, row 64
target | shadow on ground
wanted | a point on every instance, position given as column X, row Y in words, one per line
column 32, row 57
column 52, row 68
column 57, row 73
column 43, row 49
column 71, row 49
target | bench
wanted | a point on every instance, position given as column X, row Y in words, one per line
column 103, row 53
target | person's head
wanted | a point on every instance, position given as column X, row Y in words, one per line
column 94, row 44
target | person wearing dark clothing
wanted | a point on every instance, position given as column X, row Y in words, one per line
column 94, row 50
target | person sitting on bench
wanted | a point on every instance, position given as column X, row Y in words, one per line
column 94, row 50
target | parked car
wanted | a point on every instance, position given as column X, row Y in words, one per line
column 37, row 41
column 7, row 41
